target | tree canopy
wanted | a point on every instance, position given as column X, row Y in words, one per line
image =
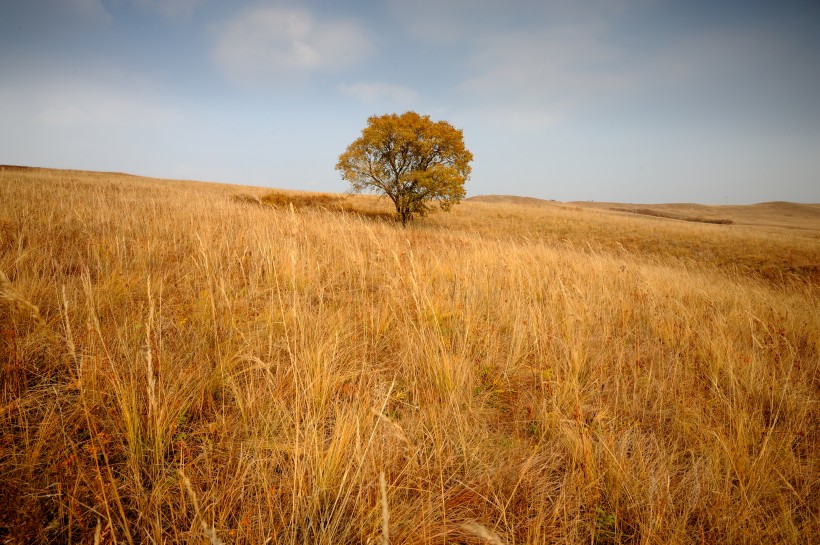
column 411, row 159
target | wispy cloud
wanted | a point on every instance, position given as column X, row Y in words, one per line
column 374, row 92
column 458, row 20
column 34, row 13
column 277, row 46
column 174, row 10
column 538, row 76
column 90, row 10
column 87, row 106
column 525, row 65
column 102, row 98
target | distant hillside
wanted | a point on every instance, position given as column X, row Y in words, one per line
column 790, row 208
column 781, row 214
column 788, row 215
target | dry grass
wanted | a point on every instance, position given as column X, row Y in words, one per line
column 182, row 364
column 345, row 204
column 783, row 215
column 744, row 249
column 670, row 215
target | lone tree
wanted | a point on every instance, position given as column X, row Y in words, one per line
column 411, row 159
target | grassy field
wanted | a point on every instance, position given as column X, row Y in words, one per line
column 185, row 364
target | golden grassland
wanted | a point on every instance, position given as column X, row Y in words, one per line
column 182, row 363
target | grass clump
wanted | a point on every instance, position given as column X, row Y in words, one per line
column 303, row 200
column 362, row 207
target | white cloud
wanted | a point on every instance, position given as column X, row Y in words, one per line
column 380, row 92
column 282, row 46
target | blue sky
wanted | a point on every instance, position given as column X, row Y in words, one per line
column 607, row 100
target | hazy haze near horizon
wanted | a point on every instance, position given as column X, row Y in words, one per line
column 624, row 100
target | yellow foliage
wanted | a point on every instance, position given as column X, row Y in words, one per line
column 411, row 159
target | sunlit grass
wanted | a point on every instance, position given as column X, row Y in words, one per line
column 182, row 362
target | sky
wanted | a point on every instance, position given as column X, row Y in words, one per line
column 647, row 101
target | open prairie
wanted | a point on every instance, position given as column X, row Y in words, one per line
column 184, row 363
